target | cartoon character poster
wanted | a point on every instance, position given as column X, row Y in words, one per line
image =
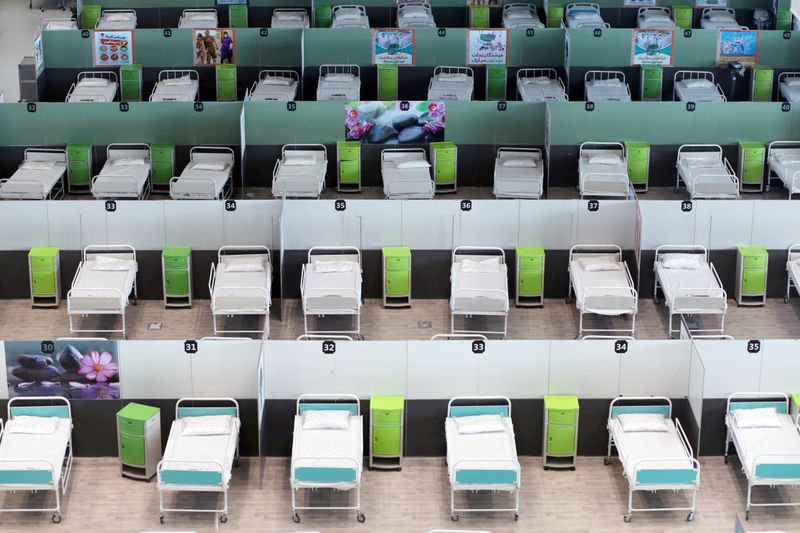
column 75, row 369
column 38, row 54
column 402, row 122
column 393, row 47
column 652, row 47
column 213, row 46
column 113, row 48
column 737, row 45
column 487, row 47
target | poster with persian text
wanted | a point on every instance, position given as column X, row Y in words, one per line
column 487, row 47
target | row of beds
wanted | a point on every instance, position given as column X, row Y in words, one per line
column 327, row 449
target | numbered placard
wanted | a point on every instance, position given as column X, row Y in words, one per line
column 690, row 106
column 466, row 205
column 478, row 346
column 753, row 346
column 502, row 105
column 598, row 32
column 190, row 346
column 593, row 205
column 687, row 33
column 441, row 32
column 686, row 206
column 48, row 347
column 111, row 206
column 405, row 105
column 198, row 106
column 529, row 32
column 230, row 205
column 328, row 347
column 85, row 34
column 340, row 205
column 167, row 33
column 124, row 107
column 31, row 107
column 264, row 32
column 621, row 346
column 787, row 35
column 291, row 106
column 588, row 106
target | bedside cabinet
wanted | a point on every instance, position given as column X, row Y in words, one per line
column 683, row 16
column 176, row 276
column 761, row 84
column 79, row 168
column 751, row 275
column 226, row 82
column 554, row 16
column 783, row 19
column 794, row 406
column 397, row 277
column 386, row 432
column 444, row 160
column 478, row 16
column 560, row 446
column 651, row 82
column 130, row 83
column 530, row 276
column 44, row 274
column 237, row 16
column 495, row 82
column 638, row 154
column 751, row 167
column 348, row 161
column 139, row 440
column 162, row 165
column 387, row 82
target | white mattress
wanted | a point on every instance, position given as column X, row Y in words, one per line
column 784, row 169
column 332, row 290
column 185, row 92
column 614, row 283
column 634, row 446
column 348, row 21
column 729, row 24
column 606, row 93
column 415, row 22
column 478, row 447
column 529, row 21
column 687, row 282
column 522, row 182
column 195, row 182
column 290, row 179
column 27, row 447
column 219, row 448
column 283, row 93
column 656, row 22
column 451, row 89
column 82, row 93
column 478, row 292
column 106, row 184
column 407, row 182
column 794, row 270
column 709, row 93
column 603, row 180
column 37, row 184
column 330, row 448
column 715, row 180
column 790, row 92
column 58, row 24
column 282, row 23
column 752, row 442
column 105, row 24
column 328, row 89
column 197, row 20
column 88, row 279
column 533, row 91
column 234, row 291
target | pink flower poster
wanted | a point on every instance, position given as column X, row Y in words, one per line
column 76, row 369
column 401, row 122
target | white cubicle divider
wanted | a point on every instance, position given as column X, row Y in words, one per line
column 3, row 383
column 729, row 366
column 696, row 382
column 655, row 365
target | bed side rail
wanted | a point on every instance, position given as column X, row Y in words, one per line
column 503, row 402
column 324, row 398
column 126, row 250
column 333, row 250
column 506, row 470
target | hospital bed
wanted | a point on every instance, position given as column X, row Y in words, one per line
column 719, row 18
column 330, row 284
column 126, row 172
column 518, row 173
column 290, row 18
column 207, row 176
column 767, row 441
column 653, row 449
column 406, row 173
column 415, row 15
column 240, row 283
column 102, row 285
column 36, row 449
column 327, row 449
column 478, row 286
column 300, row 172
column 584, row 15
column 655, row 18
column 602, row 285
column 518, row 15
column 93, row 86
column 39, row 177
column 56, row 24
column 789, row 86
column 783, row 163
column 176, row 86
column 481, row 450
column 690, row 284
column 696, row 86
column 274, row 85
column 451, row 83
column 202, row 449
column 339, row 82
column 793, row 271
column 349, row 16
column 606, row 86
column 540, row 84
column 706, row 173
column 198, row 18
column 116, row 19
column 603, row 170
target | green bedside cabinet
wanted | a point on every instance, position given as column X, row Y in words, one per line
column 478, row 16
column 237, row 16
column 387, row 82
column 89, row 16
column 651, row 82
column 683, row 16
column 226, row 82
column 761, row 84
column 348, row 161
column 162, row 165
column 530, row 276
column 638, row 154
column 444, row 160
column 560, row 447
column 139, row 440
column 386, row 432
column 554, row 16
column 79, row 168
column 44, row 274
column 323, row 16
column 397, row 277
column 495, row 82
column 751, row 275
column 783, row 19
column 130, row 82
column 176, row 276
column 751, row 166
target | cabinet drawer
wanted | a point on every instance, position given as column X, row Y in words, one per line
column 176, row 282
column 562, row 417
column 132, row 427
column 534, row 261
column 754, row 281
column 227, row 74
column 763, row 74
column 131, row 449
column 560, row 439
column 753, row 154
column 530, row 282
column 638, row 154
column 77, row 154
column 349, row 154
column 652, row 74
column 162, row 154
column 448, row 154
column 637, row 171
column 755, row 261
column 397, row 263
column 42, row 261
column 397, row 282
column 175, row 262
column 79, row 172
column 386, row 417
column 386, row 441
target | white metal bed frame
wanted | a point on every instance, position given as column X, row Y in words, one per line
column 689, row 297
column 711, row 150
column 585, row 7
column 262, row 75
column 428, row 179
column 536, row 177
column 653, row 9
column 415, row 23
column 199, row 11
column 606, row 146
column 289, row 11
column 56, row 191
column 331, row 94
column 730, row 11
column 59, row 488
column 532, row 22
column 784, row 76
column 682, row 75
column 347, row 253
column 551, row 73
column 112, row 11
column 793, row 254
column 459, row 251
column 206, row 153
column 146, row 187
column 308, row 177
column 91, row 74
column 467, row 71
column 348, row 23
column 588, row 307
column 602, row 75
column 794, row 188
column 170, row 74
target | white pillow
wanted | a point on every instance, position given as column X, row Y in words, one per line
column 299, row 161
column 125, row 161
column 609, row 159
column 277, row 80
column 792, row 82
column 202, row 16
column 656, row 17
column 119, row 17
column 526, row 162
column 416, row 163
column 289, row 16
column 326, row 419
column 37, row 165
column 696, row 84
column 32, row 425
column 757, row 418
column 183, row 80
column 479, row 424
column 485, row 266
column 324, row 267
column 583, row 16
column 613, row 82
column 209, row 165
column 110, row 264
column 339, row 76
column 602, row 263
column 196, row 426
column 636, row 422
column 94, row 82
column 701, row 162
column 244, row 264
column 681, row 261
column 719, row 17
column 451, row 77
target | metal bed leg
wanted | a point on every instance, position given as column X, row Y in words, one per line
column 727, row 442
column 627, row 517
column 453, row 513
column 747, row 509
column 607, row 458
column 295, row 514
column 359, row 515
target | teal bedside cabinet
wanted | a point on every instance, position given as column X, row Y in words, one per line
column 560, row 446
column 44, row 273
column 176, row 274
column 139, row 440
column 530, row 276
column 348, row 162
column 386, row 432
column 397, row 277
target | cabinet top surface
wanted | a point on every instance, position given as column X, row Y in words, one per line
column 752, row 250
column 47, row 251
column 137, row 411
column 387, row 403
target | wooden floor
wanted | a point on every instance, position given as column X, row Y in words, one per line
column 591, row 499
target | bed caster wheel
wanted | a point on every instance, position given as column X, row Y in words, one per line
column 606, row 461
column 295, row 518
column 726, row 459
column 690, row 517
column 626, row 518
column 162, row 518
column 747, row 515
column 454, row 517
column 572, row 468
column 675, row 190
column 516, row 517
column 786, row 299
column 223, row 518
column 56, row 518
column 360, row 517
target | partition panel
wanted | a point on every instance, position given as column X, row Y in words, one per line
column 323, row 46
column 519, row 123
column 77, row 223
column 663, row 222
column 587, row 368
column 251, row 222
column 155, row 49
column 429, row 225
column 723, row 223
column 226, row 368
column 30, row 221
column 154, row 370
column 140, row 224
column 321, row 226
column 655, row 368
column 489, row 223
column 551, row 224
column 441, row 369
column 372, row 223
column 696, row 393
column 197, row 224
column 3, row 383
column 780, row 367
column 729, row 367
column 612, row 223
column 775, row 224
column 369, row 368
column 294, row 368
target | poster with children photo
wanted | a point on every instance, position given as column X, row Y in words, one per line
column 214, row 46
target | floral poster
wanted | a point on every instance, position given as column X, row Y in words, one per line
column 393, row 47
column 737, row 45
column 487, row 47
column 652, row 47
column 394, row 122
column 76, row 369
column 213, row 46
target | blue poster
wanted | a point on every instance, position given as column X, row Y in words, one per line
column 737, row 45
column 393, row 47
column 652, row 47
column 405, row 122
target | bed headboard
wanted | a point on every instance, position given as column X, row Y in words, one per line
column 477, row 253
column 119, row 251
column 640, row 404
column 46, row 154
column 593, row 75
column 209, row 407
column 478, row 405
column 334, row 253
column 326, row 69
column 233, row 250
column 211, row 153
column 794, row 252
column 44, row 406
column 759, row 400
column 681, row 75
column 589, row 250
column 601, row 146
column 328, row 402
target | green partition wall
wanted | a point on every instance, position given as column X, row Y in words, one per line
column 131, row 4
column 736, row 4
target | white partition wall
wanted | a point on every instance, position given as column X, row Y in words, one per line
column 696, row 382
column 657, row 365
column 588, row 369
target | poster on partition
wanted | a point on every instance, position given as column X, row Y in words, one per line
column 76, row 369
column 112, row 48
column 231, row 2
column 711, row 3
column 490, row 3
column 38, row 54
column 737, row 45
column 213, row 46
column 652, row 47
column 487, row 47
column 393, row 47
column 402, row 122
